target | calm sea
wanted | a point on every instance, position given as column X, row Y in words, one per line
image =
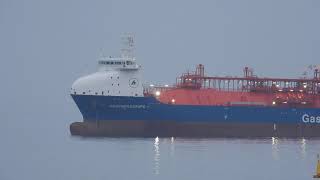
column 63, row 157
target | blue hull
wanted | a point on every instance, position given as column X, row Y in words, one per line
column 145, row 116
column 100, row 108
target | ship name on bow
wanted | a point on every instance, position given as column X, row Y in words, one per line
column 130, row 106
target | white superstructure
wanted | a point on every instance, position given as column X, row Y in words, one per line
column 115, row 76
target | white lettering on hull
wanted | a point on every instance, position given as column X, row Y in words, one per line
column 130, row 106
column 306, row 118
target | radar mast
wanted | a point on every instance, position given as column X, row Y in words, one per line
column 127, row 40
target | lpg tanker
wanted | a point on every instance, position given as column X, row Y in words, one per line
column 114, row 102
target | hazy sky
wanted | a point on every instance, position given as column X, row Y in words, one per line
column 46, row 45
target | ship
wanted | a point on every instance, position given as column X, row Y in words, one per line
column 115, row 102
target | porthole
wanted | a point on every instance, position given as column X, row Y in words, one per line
column 83, row 92
column 118, row 84
column 96, row 93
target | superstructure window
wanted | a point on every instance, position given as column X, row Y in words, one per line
column 113, row 62
column 130, row 63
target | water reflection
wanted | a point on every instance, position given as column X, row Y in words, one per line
column 303, row 147
column 301, row 150
column 172, row 146
column 275, row 148
column 156, row 156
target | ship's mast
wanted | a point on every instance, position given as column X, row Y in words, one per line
column 128, row 46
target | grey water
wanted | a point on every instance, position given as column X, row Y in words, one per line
column 72, row 158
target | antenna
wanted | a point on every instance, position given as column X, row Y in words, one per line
column 101, row 53
column 128, row 45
